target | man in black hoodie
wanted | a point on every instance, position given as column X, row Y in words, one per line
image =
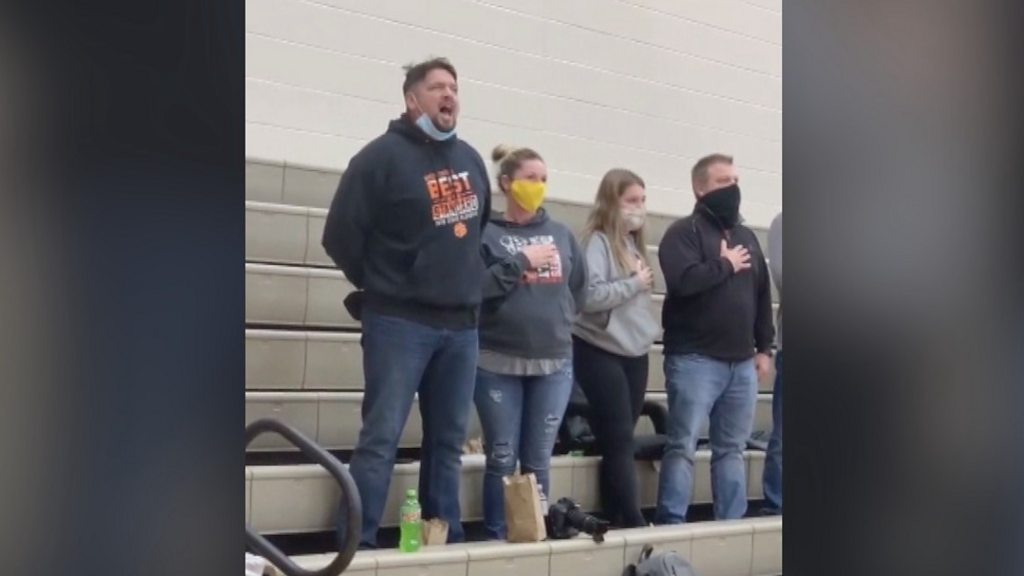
column 718, row 336
column 405, row 227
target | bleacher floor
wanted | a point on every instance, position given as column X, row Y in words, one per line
column 321, row 542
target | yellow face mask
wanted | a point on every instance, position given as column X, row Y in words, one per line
column 528, row 194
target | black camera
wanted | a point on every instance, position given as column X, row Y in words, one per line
column 566, row 520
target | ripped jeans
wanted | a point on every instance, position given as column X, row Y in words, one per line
column 520, row 416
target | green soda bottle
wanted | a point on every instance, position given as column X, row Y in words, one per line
column 411, row 527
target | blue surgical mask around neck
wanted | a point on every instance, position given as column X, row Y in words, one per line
column 427, row 125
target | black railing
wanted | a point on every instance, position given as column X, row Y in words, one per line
column 351, row 505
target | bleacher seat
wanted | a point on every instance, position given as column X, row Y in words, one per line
column 762, row 413
column 750, row 547
column 333, row 418
column 284, row 234
column 304, row 497
column 296, row 296
column 304, row 296
column 299, row 360
column 276, row 183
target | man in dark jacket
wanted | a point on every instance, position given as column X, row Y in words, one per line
column 718, row 336
column 405, row 227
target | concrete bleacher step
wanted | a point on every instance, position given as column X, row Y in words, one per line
column 273, row 182
column 277, row 233
column 310, row 187
column 303, row 296
column 762, row 414
column 296, row 360
column 748, row 547
column 296, row 296
column 291, row 499
column 283, row 234
column 333, row 419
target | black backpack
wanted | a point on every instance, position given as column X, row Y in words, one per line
column 660, row 564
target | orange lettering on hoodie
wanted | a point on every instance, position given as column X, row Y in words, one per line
column 432, row 186
column 451, row 197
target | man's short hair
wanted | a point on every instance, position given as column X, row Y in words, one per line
column 415, row 73
column 699, row 175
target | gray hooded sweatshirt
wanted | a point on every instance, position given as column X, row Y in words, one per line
column 617, row 317
column 528, row 314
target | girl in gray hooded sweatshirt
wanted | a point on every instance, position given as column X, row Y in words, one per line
column 614, row 335
column 534, row 285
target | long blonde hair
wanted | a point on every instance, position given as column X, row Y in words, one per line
column 606, row 217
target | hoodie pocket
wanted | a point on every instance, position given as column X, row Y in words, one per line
column 633, row 326
column 392, row 266
column 447, row 274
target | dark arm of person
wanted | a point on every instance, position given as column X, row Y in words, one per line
column 764, row 330
column 485, row 215
column 682, row 263
column 775, row 251
column 578, row 276
column 502, row 275
column 350, row 219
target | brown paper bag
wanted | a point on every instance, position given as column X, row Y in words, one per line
column 435, row 532
column 473, row 446
column 523, row 515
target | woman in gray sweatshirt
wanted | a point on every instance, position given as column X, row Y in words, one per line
column 614, row 334
column 534, row 285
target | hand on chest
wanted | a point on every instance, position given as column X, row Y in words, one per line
column 741, row 250
column 546, row 259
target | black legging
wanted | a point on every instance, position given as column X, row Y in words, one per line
column 615, row 387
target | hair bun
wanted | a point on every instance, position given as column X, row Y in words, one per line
column 500, row 152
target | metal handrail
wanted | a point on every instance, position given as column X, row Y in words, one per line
column 351, row 504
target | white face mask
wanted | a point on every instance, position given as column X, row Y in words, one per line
column 634, row 219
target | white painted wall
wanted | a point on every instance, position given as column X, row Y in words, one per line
column 649, row 85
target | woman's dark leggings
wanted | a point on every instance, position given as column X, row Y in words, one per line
column 615, row 387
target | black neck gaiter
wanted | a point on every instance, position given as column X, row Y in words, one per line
column 724, row 204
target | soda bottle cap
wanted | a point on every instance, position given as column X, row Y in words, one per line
column 410, row 493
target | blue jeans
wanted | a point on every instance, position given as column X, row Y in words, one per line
column 772, row 479
column 699, row 387
column 402, row 358
column 520, row 416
